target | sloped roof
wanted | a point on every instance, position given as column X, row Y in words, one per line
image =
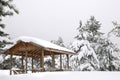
column 42, row 43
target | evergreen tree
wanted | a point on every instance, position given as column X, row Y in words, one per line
column 89, row 35
column 104, row 51
column 112, row 49
column 90, row 31
column 116, row 29
column 59, row 42
column 86, row 60
column 6, row 9
column 107, row 53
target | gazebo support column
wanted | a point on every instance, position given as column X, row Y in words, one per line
column 11, row 63
column 67, row 61
column 53, row 61
column 22, row 65
column 60, row 61
column 26, row 62
column 32, row 65
column 42, row 60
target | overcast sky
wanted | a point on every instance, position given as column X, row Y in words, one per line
column 49, row 19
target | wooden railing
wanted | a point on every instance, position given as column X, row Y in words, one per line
column 18, row 71
column 38, row 70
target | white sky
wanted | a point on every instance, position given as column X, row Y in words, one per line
column 48, row 19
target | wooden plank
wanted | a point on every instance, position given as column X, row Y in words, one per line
column 22, row 63
column 42, row 58
column 60, row 61
column 11, row 63
column 53, row 60
column 32, row 65
column 59, row 51
column 33, row 52
column 67, row 61
column 26, row 62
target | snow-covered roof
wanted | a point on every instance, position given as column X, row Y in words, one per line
column 42, row 43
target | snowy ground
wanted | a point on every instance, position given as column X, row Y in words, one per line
column 4, row 75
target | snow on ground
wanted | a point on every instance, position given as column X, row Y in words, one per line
column 4, row 73
column 67, row 75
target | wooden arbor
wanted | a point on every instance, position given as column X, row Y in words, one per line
column 37, row 48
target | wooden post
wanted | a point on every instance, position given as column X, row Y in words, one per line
column 53, row 61
column 32, row 65
column 60, row 62
column 26, row 62
column 11, row 63
column 42, row 60
column 22, row 65
column 67, row 61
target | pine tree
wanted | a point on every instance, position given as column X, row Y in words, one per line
column 107, row 53
column 59, row 42
column 89, row 35
column 90, row 31
column 113, row 59
column 6, row 9
column 86, row 60
column 116, row 29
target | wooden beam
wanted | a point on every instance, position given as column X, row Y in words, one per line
column 26, row 62
column 22, row 63
column 53, row 60
column 67, row 61
column 11, row 64
column 59, row 51
column 36, row 54
column 60, row 61
column 23, row 70
column 34, row 51
column 32, row 65
column 42, row 59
